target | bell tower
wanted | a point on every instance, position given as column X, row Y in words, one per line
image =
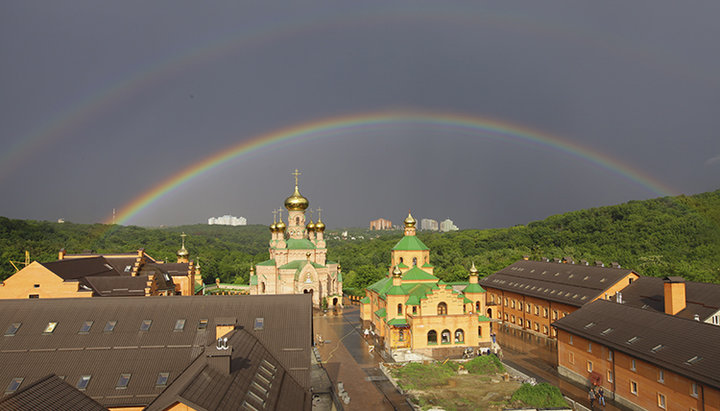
column 296, row 205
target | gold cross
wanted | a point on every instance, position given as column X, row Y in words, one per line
column 319, row 211
column 296, row 174
column 275, row 216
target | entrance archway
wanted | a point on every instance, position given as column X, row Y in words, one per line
column 335, row 301
column 489, row 313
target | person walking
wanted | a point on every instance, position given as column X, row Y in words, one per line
column 591, row 397
column 601, row 397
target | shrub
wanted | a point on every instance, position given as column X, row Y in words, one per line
column 485, row 364
column 541, row 395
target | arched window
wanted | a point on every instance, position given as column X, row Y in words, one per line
column 445, row 337
column 297, row 220
column 414, row 309
column 477, row 306
column 432, row 337
column 262, row 287
column 480, row 331
column 414, row 260
column 442, row 309
column 464, row 308
column 459, row 335
column 400, row 311
column 401, row 260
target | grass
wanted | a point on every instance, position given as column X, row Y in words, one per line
column 421, row 376
column 485, row 365
column 540, row 395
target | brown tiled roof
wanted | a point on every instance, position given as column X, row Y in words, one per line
column 702, row 299
column 77, row 268
column 664, row 340
column 116, row 286
column 255, row 376
column 122, row 264
column 571, row 284
column 49, row 393
column 173, row 268
column 286, row 333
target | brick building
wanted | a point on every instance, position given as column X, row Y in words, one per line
column 642, row 358
column 381, row 224
column 533, row 294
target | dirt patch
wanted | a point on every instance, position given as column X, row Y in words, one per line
column 467, row 392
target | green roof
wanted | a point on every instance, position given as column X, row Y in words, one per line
column 482, row 318
column 253, row 280
column 267, row 262
column 416, row 273
column 199, row 287
column 294, row 265
column 365, row 300
column 413, row 300
column 427, row 265
column 300, row 244
column 381, row 313
column 403, row 265
column 397, row 321
column 339, row 277
column 467, row 300
column 410, row 243
column 396, row 290
column 473, row 288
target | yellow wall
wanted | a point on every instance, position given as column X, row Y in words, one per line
column 423, row 256
column 178, row 406
column 22, row 284
column 126, row 408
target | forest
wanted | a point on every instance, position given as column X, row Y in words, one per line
column 658, row 237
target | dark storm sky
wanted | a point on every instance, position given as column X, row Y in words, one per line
column 102, row 101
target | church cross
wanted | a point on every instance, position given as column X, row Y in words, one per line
column 275, row 216
column 319, row 211
column 183, row 235
column 296, row 174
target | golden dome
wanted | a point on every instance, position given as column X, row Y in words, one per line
column 310, row 226
column 183, row 252
column 410, row 221
column 273, row 227
column 320, row 226
column 397, row 272
column 473, row 270
column 296, row 202
column 280, row 226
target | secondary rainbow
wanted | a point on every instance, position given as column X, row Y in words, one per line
column 334, row 126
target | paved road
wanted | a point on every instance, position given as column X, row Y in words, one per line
column 346, row 357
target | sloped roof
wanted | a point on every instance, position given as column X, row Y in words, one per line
column 117, row 286
column 660, row 339
column 206, row 388
column 267, row 262
column 473, row 288
column 300, row 244
column 416, row 274
column 381, row 313
column 104, row 355
column 572, row 284
column 702, row 299
column 49, row 393
column 410, row 243
column 76, row 268
column 294, row 265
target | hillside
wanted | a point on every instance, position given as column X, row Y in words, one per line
column 663, row 236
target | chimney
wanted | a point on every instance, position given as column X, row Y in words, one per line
column 618, row 297
column 61, row 254
column 674, row 288
column 615, row 264
column 218, row 357
column 599, row 263
column 223, row 326
column 526, row 257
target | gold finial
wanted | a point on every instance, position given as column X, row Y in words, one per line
column 296, row 202
column 275, row 216
column 296, row 174
column 308, row 254
column 397, row 272
column 182, row 252
column 319, row 226
column 319, row 211
column 473, row 270
column 409, row 220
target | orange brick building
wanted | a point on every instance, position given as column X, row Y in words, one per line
column 533, row 294
column 381, row 224
column 644, row 359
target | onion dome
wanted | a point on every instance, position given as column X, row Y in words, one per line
column 280, row 226
column 410, row 221
column 397, row 272
column 273, row 227
column 296, row 202
column 473, row 270
column 320, row 226
column 310, row 226
column 183, row 252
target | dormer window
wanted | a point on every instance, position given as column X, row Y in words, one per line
column 13, row 329
column 50, row 328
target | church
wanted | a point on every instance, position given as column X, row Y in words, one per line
column 298, row 257
column 413, row 310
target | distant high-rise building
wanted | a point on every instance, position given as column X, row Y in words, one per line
column 227, row 220
column 448, row 225
column 381, row 224
column 428, row 224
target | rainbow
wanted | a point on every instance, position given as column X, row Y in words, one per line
column 335, row 126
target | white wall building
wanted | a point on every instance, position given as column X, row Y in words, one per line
column 428, row 224
column 227, row 220
column 448, row 225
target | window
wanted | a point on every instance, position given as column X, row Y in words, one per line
column 661, row 376
column 442, row 309
column 633, row 387
column 527, row 324
column 693, row 360
column 661, row 401
column 83, row 382
column 571, row 357
column 202, row 324
column 716, row 319
column 85, row 327
column 527, row 308
column 479, row 330
column 610, row 355
column 14, row 385
column 657, row 348
column 633, row 340
column 589, row 366
column 50, row 328
column 512, row 304
column 145, row 325
column 537, row 326
column 554, row 332
column 399, row 309
column 179, row 325
column 109, row 326
column 162, row 379
column 545, row 312
column 36, row 285
column 34, row 296
column 610, row 376
column 477, row 306
column 401, row 335
column 545, row 329
column 537, row 310
column 512, row 318
column 12, row 329
column 445, row 337
column 555, row 315
column 123, row 382
column 694, row 390
column 506, row 317
column 432, row 337
column 459, row 336
column 506, row 302
column 571, row 342
column 520, row 321
column 632, row 365
column 589, row 347
column 414, row 309
column 259, row 323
